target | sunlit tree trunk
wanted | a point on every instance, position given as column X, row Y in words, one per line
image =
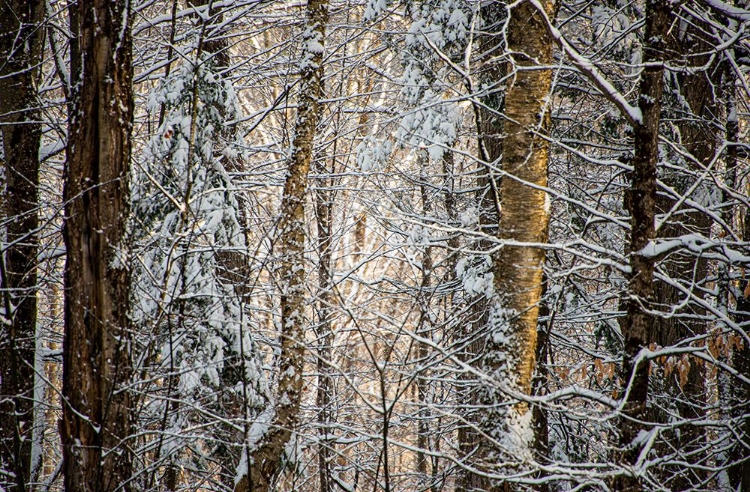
column 97, row 418
column 264, row 461
column 20, row 50
column 524, row 215
column 637, row 325
column 514, row 143
column 510, row 350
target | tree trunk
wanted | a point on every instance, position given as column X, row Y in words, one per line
column 525, row 208
column 424, row 329
column 511, row 340
column 20, row 55
column 637, row 325
column 265, row 460
column 699, row 139
column 324, row 331
column 97, row 418
column 489, row 124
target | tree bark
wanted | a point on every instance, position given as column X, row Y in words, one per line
column 264, row 461
column 699, row 139
column 489, row 124
column 637, row 325
column 510, row 349
column 525, row 208
column 515, row 142
column 324, row 332
column 97, row 418
column 20, row 55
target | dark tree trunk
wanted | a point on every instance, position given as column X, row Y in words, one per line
column 489, row 124
column 637, row 325
column 97, row 419
column 20, row 49
column 695, row 110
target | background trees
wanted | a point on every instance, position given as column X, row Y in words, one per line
column 357, row 230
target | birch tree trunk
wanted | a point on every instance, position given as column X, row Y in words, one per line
column 20, row 55
column 97, row 418
column 264, row 461
column 516, row 143
column 510, row 350
column 525, row 208
column 637, row 325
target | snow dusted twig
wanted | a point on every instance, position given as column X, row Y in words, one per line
column 589, row 69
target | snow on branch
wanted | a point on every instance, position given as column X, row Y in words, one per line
column 591, row 72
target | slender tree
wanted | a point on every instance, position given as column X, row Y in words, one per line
column 638, row 323
column 263, row 461
column 97, row 416
column 20, row 57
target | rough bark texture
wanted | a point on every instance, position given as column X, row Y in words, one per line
column 637, row 325
column 20, row 49
column 525, row 209
column 489, row 122
column 97, row 417
column 265, row 460
column 693, row 115
column 513, row 143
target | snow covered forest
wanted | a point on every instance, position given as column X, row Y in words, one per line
column 374, row 245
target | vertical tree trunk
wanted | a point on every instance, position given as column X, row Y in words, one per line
column 97, row 417
column 489, row 124
column 694, row 114
column 424, row 330
column 514, row 142
column 264, row 462
column 637, row 325
column 20, row 54
column 511, row 343
column 324, row 329
column 525, row 209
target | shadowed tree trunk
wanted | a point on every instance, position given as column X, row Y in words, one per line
column 637, row 325
column 266, row 457
column 696, row 108
column 20, row 54
column 489, row 123
column 97, row 418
